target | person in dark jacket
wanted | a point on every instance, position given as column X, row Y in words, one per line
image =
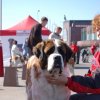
column 85, row 55
column 36, row 33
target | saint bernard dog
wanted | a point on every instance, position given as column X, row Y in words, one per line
column 49, row 56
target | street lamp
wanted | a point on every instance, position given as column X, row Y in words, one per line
column 38, row 14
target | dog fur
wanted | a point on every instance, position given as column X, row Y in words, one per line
column 36, row 84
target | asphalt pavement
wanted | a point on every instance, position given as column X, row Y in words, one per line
column 19, row 93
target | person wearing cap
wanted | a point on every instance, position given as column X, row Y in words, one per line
column 36, row 33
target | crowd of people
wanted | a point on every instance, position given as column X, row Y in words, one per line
column 88, row 88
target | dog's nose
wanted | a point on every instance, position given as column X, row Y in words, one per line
column 57, row 62
column 57, row 58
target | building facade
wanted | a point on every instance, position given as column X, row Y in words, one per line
column 78, row 30
column 76, row 27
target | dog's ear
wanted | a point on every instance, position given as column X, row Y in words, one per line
column 33, row 64
column 69, row 53
column 38, row 50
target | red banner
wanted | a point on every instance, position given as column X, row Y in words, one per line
column 1, row 62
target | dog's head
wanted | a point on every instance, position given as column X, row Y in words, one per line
column 53, row 54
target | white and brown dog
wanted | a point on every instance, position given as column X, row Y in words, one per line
column 49, row 56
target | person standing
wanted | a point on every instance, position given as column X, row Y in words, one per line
column 56, row 34
column 15, row 53
column 74, row 48
column 36, row 33
column 25, row 48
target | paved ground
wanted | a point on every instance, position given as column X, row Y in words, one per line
column 13, row 93
column 81, row 69
column 18, row 93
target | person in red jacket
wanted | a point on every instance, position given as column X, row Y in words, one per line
column 74, row 48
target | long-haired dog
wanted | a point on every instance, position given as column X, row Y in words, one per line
column 50, row 56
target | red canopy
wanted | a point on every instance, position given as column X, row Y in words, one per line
column 27, row 24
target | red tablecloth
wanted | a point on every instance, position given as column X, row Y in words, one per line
column 1, row 62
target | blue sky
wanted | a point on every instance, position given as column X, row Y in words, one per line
column 13, row 11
